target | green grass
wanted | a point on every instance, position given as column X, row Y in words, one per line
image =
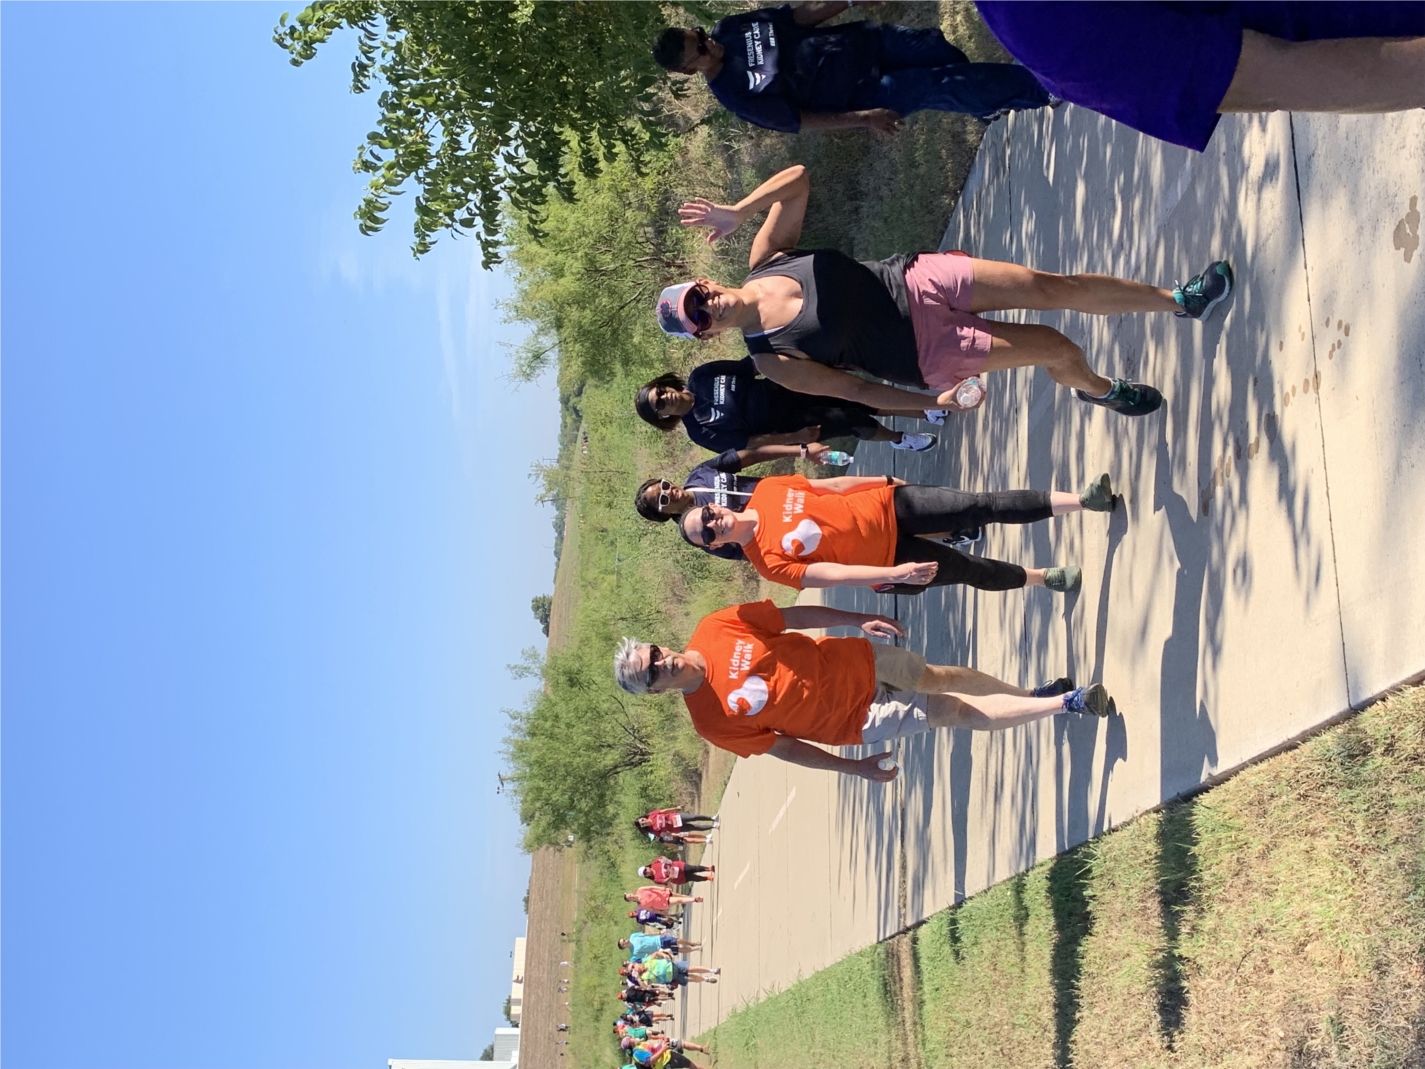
column 1277, row 920
column 839, row 1016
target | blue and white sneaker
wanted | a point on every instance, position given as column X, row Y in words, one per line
column 936, row 416
column 1202, row 293
column 1090, row 701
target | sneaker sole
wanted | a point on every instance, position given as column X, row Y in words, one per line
column 1096, row 700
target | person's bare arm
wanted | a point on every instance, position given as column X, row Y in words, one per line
column 784, row 196
column 877, row 120
column 801, row 753
column 807, row 376
column 792, row 438
column 854, row 484
column 813, row 617
column 825, row 573
column 758, row 454
column 817, row 12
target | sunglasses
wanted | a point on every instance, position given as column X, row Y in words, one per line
column 665, row 494
column 655, row 659
column 695, row 303
column 702, row 41
column 707, row 535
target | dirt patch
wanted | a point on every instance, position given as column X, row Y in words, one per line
column 553, row 890
column 903, row 1001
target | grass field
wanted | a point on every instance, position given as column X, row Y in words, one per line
column 1277, row 920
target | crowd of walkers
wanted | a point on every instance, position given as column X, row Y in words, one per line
column 837, row 346
column 657, row 963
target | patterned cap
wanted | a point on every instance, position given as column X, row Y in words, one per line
column 671, row 315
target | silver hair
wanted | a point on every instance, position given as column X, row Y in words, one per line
column 627, row 672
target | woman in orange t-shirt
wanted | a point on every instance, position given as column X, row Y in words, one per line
column 876, row 532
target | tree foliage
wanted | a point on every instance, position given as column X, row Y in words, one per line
column 541, row 605
column 490, row 103
column 587, row 282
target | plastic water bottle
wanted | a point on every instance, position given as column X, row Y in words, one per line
column 837, row 458
column 970, row 393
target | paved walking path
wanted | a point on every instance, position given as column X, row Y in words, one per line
column 1265, row 572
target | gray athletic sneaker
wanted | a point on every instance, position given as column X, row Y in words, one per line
column 916, row 443
column 1098, row 495
column 1091, row 700
column 1064, row 580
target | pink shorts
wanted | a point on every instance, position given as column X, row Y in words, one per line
column 951, row 342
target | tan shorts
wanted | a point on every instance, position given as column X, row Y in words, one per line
column 896, row 667
column 897, row 710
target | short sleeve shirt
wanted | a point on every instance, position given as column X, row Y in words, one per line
column 665, row 820
column 665, row 871
column 763, row 681
column 797, row 525
column 773, row 69
column 640, row 946
column 655, row 898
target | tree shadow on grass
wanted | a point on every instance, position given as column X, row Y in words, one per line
column 1177, row 894
column 1069, row 875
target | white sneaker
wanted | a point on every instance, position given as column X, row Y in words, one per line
column 936, row 416
column 916, row 443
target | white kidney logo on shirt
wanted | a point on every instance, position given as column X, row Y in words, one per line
column 802, row 539
column 748, row 699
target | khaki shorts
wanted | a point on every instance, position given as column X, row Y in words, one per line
column 897, row 710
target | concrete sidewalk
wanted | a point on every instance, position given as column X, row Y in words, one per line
column 1266, row 569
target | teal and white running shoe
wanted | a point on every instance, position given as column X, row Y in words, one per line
column 1202, row 293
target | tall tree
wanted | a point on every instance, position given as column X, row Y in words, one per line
column 489, row 103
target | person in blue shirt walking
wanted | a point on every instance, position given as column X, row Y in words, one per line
column 778, row 67
column 639, row 945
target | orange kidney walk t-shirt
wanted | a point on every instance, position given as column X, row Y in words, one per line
column 798, row 525
column 763, row 681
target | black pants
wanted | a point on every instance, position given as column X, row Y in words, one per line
column 694, row 873
column 939, row 510
column 694, row 822
column 840, row 420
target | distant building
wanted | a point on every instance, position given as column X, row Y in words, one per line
column 516, row 988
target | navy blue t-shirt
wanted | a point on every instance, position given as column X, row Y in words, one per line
column 716, row 482
column 730, row 404
column 773, row 69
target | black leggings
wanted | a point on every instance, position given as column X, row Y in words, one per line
column 694, row 822
column 694, row 873
column 839, row 420
column 933, row 510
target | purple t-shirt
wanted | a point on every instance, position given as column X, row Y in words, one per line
column 1163, row 68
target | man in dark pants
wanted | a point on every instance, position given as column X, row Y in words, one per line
column 776, row 67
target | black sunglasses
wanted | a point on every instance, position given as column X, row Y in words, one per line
column 655, row 658
column 695, row 303
column 708, row 535
column 702, row 41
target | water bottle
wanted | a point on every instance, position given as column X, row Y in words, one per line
column 836, row 458
column 969, row 393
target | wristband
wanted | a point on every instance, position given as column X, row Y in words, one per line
column 803, row 450
column 890, row 481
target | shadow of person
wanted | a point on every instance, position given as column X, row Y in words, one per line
column 1187, row 738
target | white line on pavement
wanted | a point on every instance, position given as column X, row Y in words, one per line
column 745, row 870
column 783, row 811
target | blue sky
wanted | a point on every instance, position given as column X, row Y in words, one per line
column 269, row 541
